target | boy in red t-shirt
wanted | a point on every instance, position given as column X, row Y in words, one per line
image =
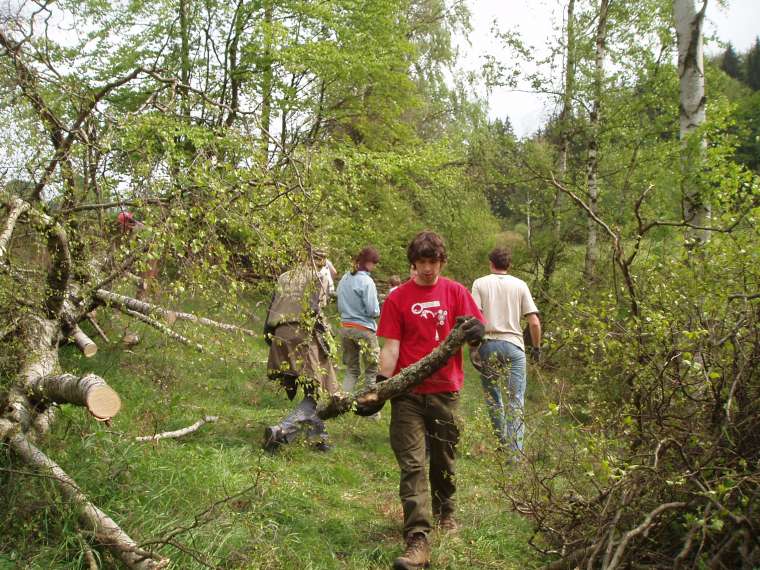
column 416, row 317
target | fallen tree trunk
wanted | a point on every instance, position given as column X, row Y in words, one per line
column 402, row 382
column 107, row 532
column 90, row 391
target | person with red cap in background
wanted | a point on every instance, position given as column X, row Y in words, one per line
column 127, row 224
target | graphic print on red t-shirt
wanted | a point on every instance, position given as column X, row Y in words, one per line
column 421, row 317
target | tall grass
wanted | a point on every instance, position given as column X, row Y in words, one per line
column 215, row 499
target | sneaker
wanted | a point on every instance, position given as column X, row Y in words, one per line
column 447, row 523
column 272, row 438
column 416, row 555
column 322, row 446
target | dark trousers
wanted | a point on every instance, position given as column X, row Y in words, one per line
column 412, row 416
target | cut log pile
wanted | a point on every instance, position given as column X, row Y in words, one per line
column 41, row 386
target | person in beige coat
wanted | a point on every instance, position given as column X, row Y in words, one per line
column 299, row 353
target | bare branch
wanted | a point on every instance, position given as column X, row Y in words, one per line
column 96, row 326
column 615, row 236
column 148, row 309
column 162, row 328
column 409, row 377
column 180, row 432
column 642, row 528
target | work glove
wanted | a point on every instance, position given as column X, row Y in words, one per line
column 268, row 333
column 475, row 359
column 371, row 409
column 535, row 354
column 474, row 331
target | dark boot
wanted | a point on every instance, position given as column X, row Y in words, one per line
column 416, row 555
column 447, row 523
column 273, row 438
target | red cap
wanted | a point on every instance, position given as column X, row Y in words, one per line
column 126, row 221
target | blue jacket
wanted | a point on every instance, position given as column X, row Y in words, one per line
column 357, row 300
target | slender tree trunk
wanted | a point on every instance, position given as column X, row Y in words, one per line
column 184, row 26
column 234, row 73
column 528, row 202
column 592, row 163
column 689, row 24
column 267, row 81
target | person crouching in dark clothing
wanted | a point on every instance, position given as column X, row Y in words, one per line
column 299, row 354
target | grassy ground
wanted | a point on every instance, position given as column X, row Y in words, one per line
column 217, row 497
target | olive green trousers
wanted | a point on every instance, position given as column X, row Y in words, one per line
column 419, row 421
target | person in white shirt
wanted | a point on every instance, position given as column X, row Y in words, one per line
column 327, row 274
column 504, row 300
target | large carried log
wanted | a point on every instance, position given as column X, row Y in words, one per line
column 406, row 379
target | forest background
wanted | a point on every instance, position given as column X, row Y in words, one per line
column 239, row 133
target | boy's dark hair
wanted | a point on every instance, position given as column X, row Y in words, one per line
column 501, row 258
column 426, row 244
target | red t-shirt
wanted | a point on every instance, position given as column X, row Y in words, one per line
column 421, row 318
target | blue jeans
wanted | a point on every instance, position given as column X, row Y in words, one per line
column 504, row 365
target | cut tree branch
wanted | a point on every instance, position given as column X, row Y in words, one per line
column 180, row 432
column 84, row 343
column 162, row 328
column 148, row 309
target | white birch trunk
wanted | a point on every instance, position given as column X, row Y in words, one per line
column 148, row 309
column 16, row 207
column 689, row 24
column 567, row 110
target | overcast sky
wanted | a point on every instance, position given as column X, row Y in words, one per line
column 534, row 19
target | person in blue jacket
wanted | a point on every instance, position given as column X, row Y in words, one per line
column 359, row 307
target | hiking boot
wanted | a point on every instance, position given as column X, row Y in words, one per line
column 272, row 438
column 416, row 555
column 447, row 523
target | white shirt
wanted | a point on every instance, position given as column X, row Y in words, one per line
column 503, row 299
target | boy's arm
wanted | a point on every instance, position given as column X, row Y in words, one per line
column 534, row 324
column 389, row 357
